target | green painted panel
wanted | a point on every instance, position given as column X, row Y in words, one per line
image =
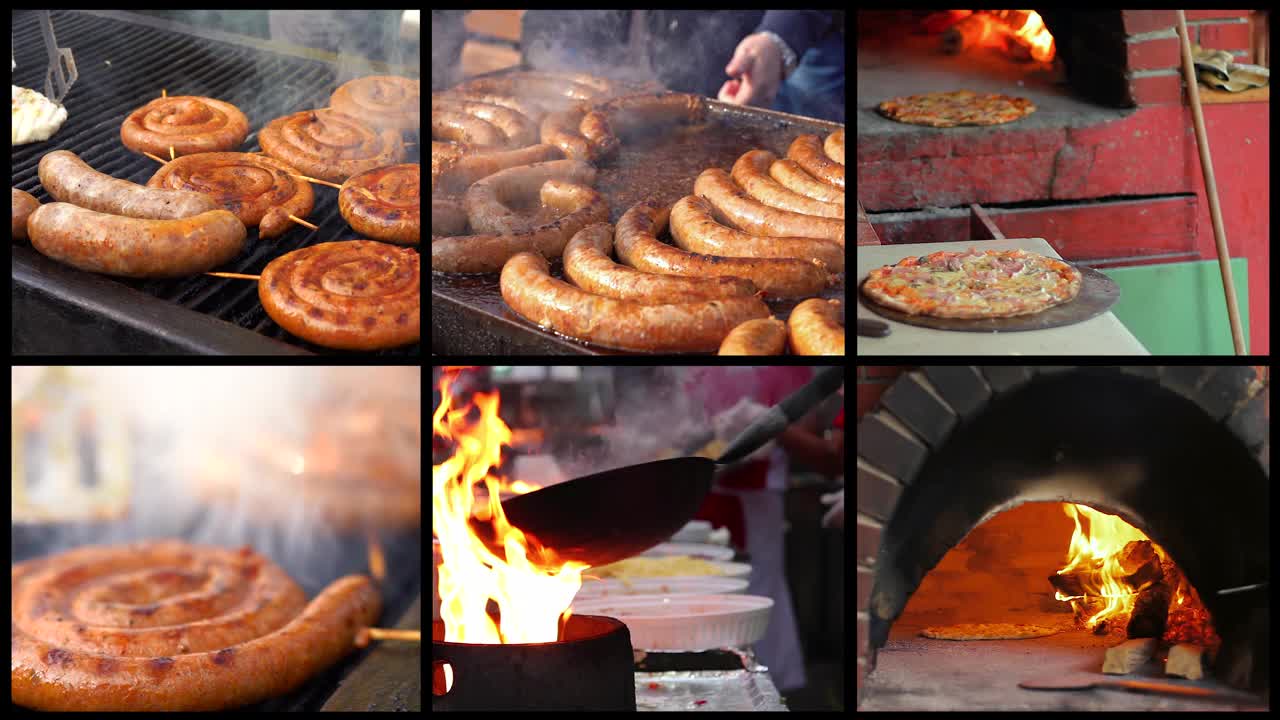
column 1179, row 308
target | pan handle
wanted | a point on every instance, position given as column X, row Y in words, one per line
column 768, row 425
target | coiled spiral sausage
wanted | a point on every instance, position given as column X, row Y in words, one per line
column 387, row 102
column 351, row 295
column 637, row 245
column 576, row 205
column 587, row 263
column 385, row 203
column 529, row 289
column 248, row 184
column 189, row 124
column 168, row 626
column 326, row 144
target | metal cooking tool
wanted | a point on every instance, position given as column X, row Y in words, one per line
column 615, row 514
column 1085, row 681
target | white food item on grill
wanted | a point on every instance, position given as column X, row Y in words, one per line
column 35, row 117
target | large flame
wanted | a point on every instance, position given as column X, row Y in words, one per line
column 531, row 588
column 1095, row 554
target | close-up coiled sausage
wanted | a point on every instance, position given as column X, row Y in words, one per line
column 164, row 625
column 487, row 201
column 751, row 173
column 387, row 102
column 790, row 175
column 189, row 124
column 588, row 265
column 807, row 151
column 695, row 228
column 637, row 245
column 350, row 295
column 248, row 184
column 385, row 203
column 747, row 213
column 576, row 206
column 326, row 144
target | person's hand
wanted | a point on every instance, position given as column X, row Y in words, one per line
column 755, row 72
column 834, row 518
column 729, row 424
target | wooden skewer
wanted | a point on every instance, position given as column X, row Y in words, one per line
column 365, row 635
column 1210, row 187
column 236, row 276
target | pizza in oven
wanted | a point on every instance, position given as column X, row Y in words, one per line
column 973, row 284
column 962, row 107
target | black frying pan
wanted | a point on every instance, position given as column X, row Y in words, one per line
column 611, row 515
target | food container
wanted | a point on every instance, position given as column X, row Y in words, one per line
column 686, row 622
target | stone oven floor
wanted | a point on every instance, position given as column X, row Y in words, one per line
column 918, row 673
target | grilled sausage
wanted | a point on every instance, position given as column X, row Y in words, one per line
column 637, row 245
column 807, row 151
column 168, row 626
column 24, row 203
column 261, row 190
column 69, row 179
column 833, row 146
column 529, row 289
column 326, row 144
column 518, row 129
column 751, row 172
column 765, row 336
column 794, row 178
column 815, row 328
column 695, row 228
column 747, row 213
column 587, row 263
column 351, row 295
column 486, row 200
column 461, row 172
column 133, row 247
column 387, row 102
column 189, row 124
column 385, row 203
column 578, row 206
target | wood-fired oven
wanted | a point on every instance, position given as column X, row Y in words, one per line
column 1122, row 513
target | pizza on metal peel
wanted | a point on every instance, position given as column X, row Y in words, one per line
column 974, row 284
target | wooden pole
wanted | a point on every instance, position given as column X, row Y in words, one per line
column 1210, row 187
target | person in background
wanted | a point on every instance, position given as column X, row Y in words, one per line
column 748, row 498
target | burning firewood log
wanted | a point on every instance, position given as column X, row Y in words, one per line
column 1150, row 611
column 1138, row 561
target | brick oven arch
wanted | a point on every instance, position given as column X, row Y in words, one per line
column 1178, row 452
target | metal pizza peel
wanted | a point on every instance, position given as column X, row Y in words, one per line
column 1097, row 294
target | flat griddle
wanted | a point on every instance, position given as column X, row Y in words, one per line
column 1097, row 294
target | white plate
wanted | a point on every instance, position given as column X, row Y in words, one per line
column 686, row 622
column 694, row 531
column 697, row 550
column 704, row 585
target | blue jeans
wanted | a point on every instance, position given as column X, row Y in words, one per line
column 817, row 87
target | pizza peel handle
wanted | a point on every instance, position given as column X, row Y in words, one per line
column 1083, row 681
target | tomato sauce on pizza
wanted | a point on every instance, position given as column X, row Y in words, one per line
column 973, row 284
